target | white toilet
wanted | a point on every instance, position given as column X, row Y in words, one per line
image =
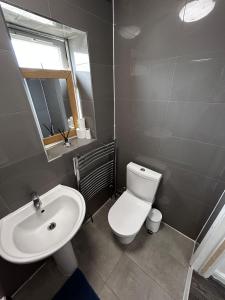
column 129, row 212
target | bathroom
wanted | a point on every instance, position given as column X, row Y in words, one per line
column 138, row 87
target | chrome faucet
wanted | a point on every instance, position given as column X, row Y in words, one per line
column 36, row 200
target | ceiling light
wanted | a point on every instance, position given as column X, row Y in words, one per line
column 196, row 10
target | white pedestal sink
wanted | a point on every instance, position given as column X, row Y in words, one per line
column 28, row 235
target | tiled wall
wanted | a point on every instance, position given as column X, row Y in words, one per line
column 170, row 104
column 23, row 164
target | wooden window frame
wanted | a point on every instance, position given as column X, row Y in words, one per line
column 56, row 74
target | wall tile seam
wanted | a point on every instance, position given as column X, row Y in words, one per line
column 197, row 101
column 210, row 205
column 193, row 172
column 60, row 178
column 129, row 99
column 154, row 61
column 89, row 12
column 198, row 141
column 45, row 186
column 179, row 57
column 182, row 138
column 19, row 112
column 36, row 153
column 174, row 165
column 81, row 8
column 196, row 200
column 122, row 98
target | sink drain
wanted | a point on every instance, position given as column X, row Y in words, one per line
column 52, row 226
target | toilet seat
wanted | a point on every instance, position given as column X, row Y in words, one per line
column 128, row 214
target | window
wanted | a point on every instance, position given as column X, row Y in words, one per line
column 37, row 52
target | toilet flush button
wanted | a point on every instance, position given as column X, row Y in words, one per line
column 142, row 169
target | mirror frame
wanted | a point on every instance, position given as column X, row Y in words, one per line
column 56, row 74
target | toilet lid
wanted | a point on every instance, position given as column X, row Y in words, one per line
column 128, row 214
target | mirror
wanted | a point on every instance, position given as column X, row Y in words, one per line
column 54, row 62
column 53, row 99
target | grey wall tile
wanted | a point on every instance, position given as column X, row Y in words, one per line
column 20, row 138
column 149, row 117
column 104, row 113
column 101, row 8
column 4, row 38
column 12, row 100
column 197, row 77
column 98, row 31
column 105, row 135
column 185, row 191
column 40, row 7
column 157, row 24
column 102, row 81
column 4, row 209
column 140, row 79
column 205, row 159
column 197, row 120
column 134, row 146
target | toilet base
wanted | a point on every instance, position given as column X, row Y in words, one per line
column 125, row 240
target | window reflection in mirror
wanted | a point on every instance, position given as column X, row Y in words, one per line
column 53, row 59
column 51, row 103
column 53, row 98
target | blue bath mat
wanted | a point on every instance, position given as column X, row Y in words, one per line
column 76, row 288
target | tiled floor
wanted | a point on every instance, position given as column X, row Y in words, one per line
column 153, row 267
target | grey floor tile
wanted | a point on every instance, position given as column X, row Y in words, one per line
column 44, row 285
column 92, row 275
column 101, row 217
column 101, row 250
column 107, row 294
column 161, row 257
column 128, row 281
column 175, row 244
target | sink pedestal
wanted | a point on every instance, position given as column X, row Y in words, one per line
column 66, row 259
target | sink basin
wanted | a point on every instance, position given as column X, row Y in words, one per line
column 28, row 235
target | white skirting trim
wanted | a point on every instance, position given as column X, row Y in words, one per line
column 219, row 276
column 188, row 284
